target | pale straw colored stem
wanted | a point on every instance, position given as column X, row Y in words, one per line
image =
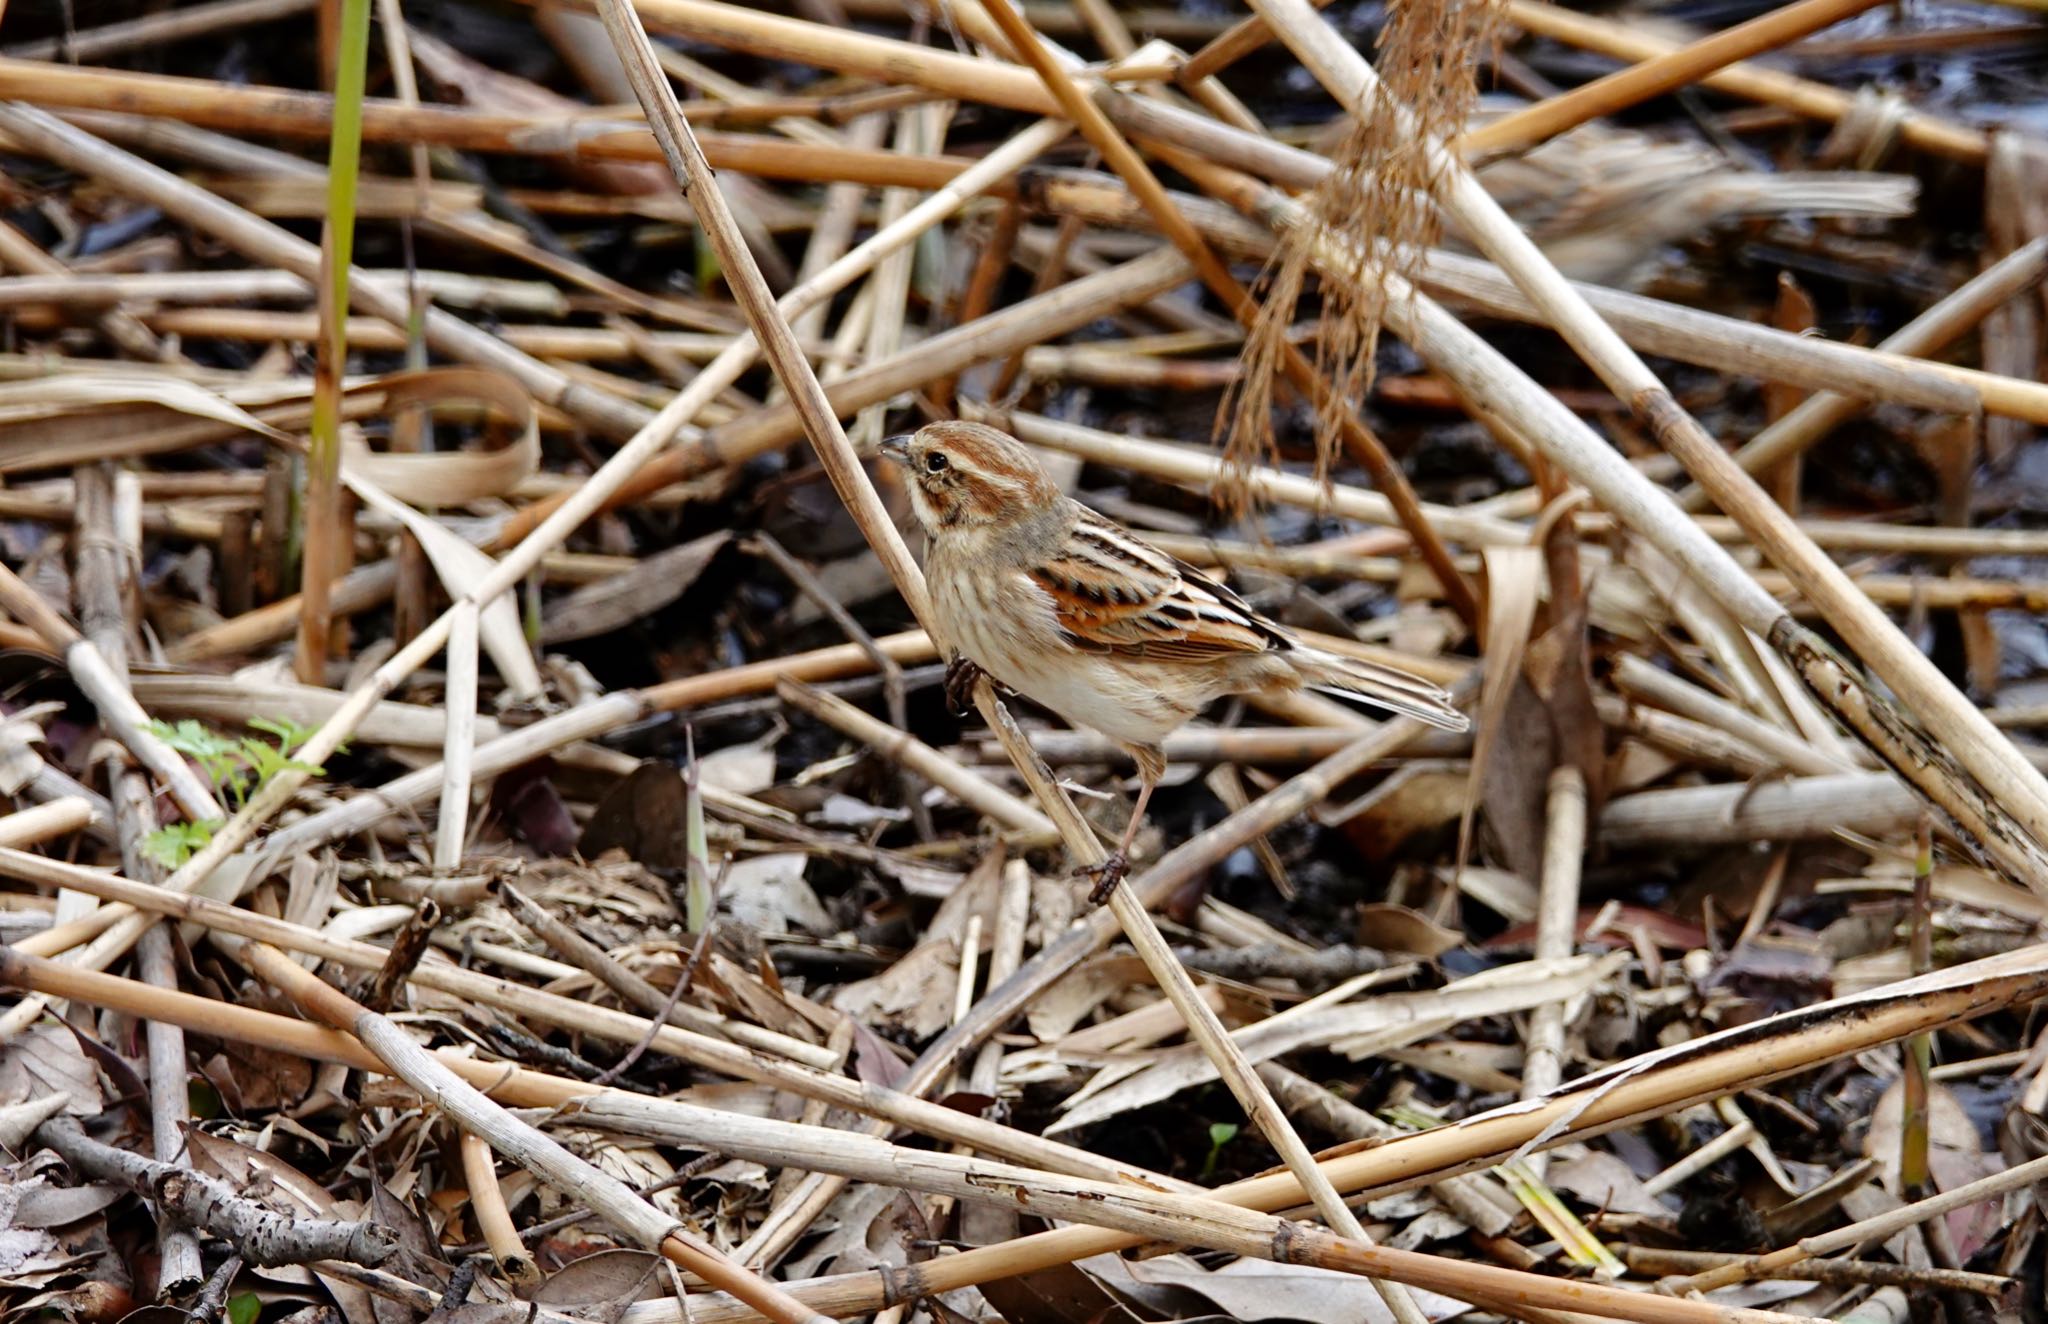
column 493, row 1219
column 2008, row 807
column 970, row 788
column 1557, row 919
column 1817, row 415
column 459, row 747
column 39, row 823
column 546, row 1158
column 1658, row 75
column 271, row 245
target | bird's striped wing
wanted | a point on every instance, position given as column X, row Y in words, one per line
column 1114, row 593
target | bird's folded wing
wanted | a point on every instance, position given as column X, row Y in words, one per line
column 1113, row 593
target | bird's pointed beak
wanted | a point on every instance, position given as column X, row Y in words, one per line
column 896, row 448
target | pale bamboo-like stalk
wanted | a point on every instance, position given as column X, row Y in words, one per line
column 757, row 1060
column 39, row 823
column 493, row 1219
column 2007, row 809
column 807, row 399
column 451, row 828
column 576, row 506
column 1964, row 307
column 1880, row 1227
column 124, row 717
column 1660, row 74
column 1875, row 803
column 546, row 1158
column 271, row 245
column 970, row 788
column 1756, row 82
column 1557, row 923
column 1632, row 675
column 1659, row 1082
column 1984, row 805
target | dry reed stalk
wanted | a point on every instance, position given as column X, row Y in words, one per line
column 613, row 1200
column 970, row 788
column 1689, row 335
column 804, row 1070
column 150, row 30
column 1874, row 803
column 39, row 823
column 451, row 828
column 1668, row 1079
column 1718, row 342
column 808, row 401
column 1772, row 87
column 598, row 136
column 1958, row 762
column 493, row 1219
column 1658, row 75
column 1564, row 847
column 1929, row 333
column 271, row 245
column 21, row 253
column 95, row 676
column 454, row 288
column 1879, row 1228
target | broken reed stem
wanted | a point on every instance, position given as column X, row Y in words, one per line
column 1557, row 920
column 1929, row 333
column 493, row 1220
column 99, row 681
column 458, row 748
column 756, row 1060
column 320, row 512
column 1660, row 74
column 39, row 823
column 1654, row 1084
column 1979, row 782
column 271, row 245
column 1758, row 83
column 544, row 1157
column 969, row 787
column 1880, row 1227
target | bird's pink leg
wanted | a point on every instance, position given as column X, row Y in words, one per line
column 1112, row 870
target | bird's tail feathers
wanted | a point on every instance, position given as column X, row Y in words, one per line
column 1384, row 686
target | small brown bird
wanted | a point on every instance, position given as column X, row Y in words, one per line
column 1081, row 615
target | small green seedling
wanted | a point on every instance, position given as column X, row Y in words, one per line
column 240, row 766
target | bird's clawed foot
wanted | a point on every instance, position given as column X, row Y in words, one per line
column 961, row 676
column 1106, row 875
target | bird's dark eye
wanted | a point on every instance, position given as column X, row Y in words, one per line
column 934, row 462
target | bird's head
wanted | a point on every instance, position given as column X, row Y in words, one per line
column 968, row 475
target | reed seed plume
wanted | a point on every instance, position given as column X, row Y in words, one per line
column 1378, row 202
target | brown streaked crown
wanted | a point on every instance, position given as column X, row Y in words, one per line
column 969, row 473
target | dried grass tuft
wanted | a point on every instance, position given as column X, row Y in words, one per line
column 1377, row 202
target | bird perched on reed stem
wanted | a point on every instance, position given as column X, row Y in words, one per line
column 1079, row 614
